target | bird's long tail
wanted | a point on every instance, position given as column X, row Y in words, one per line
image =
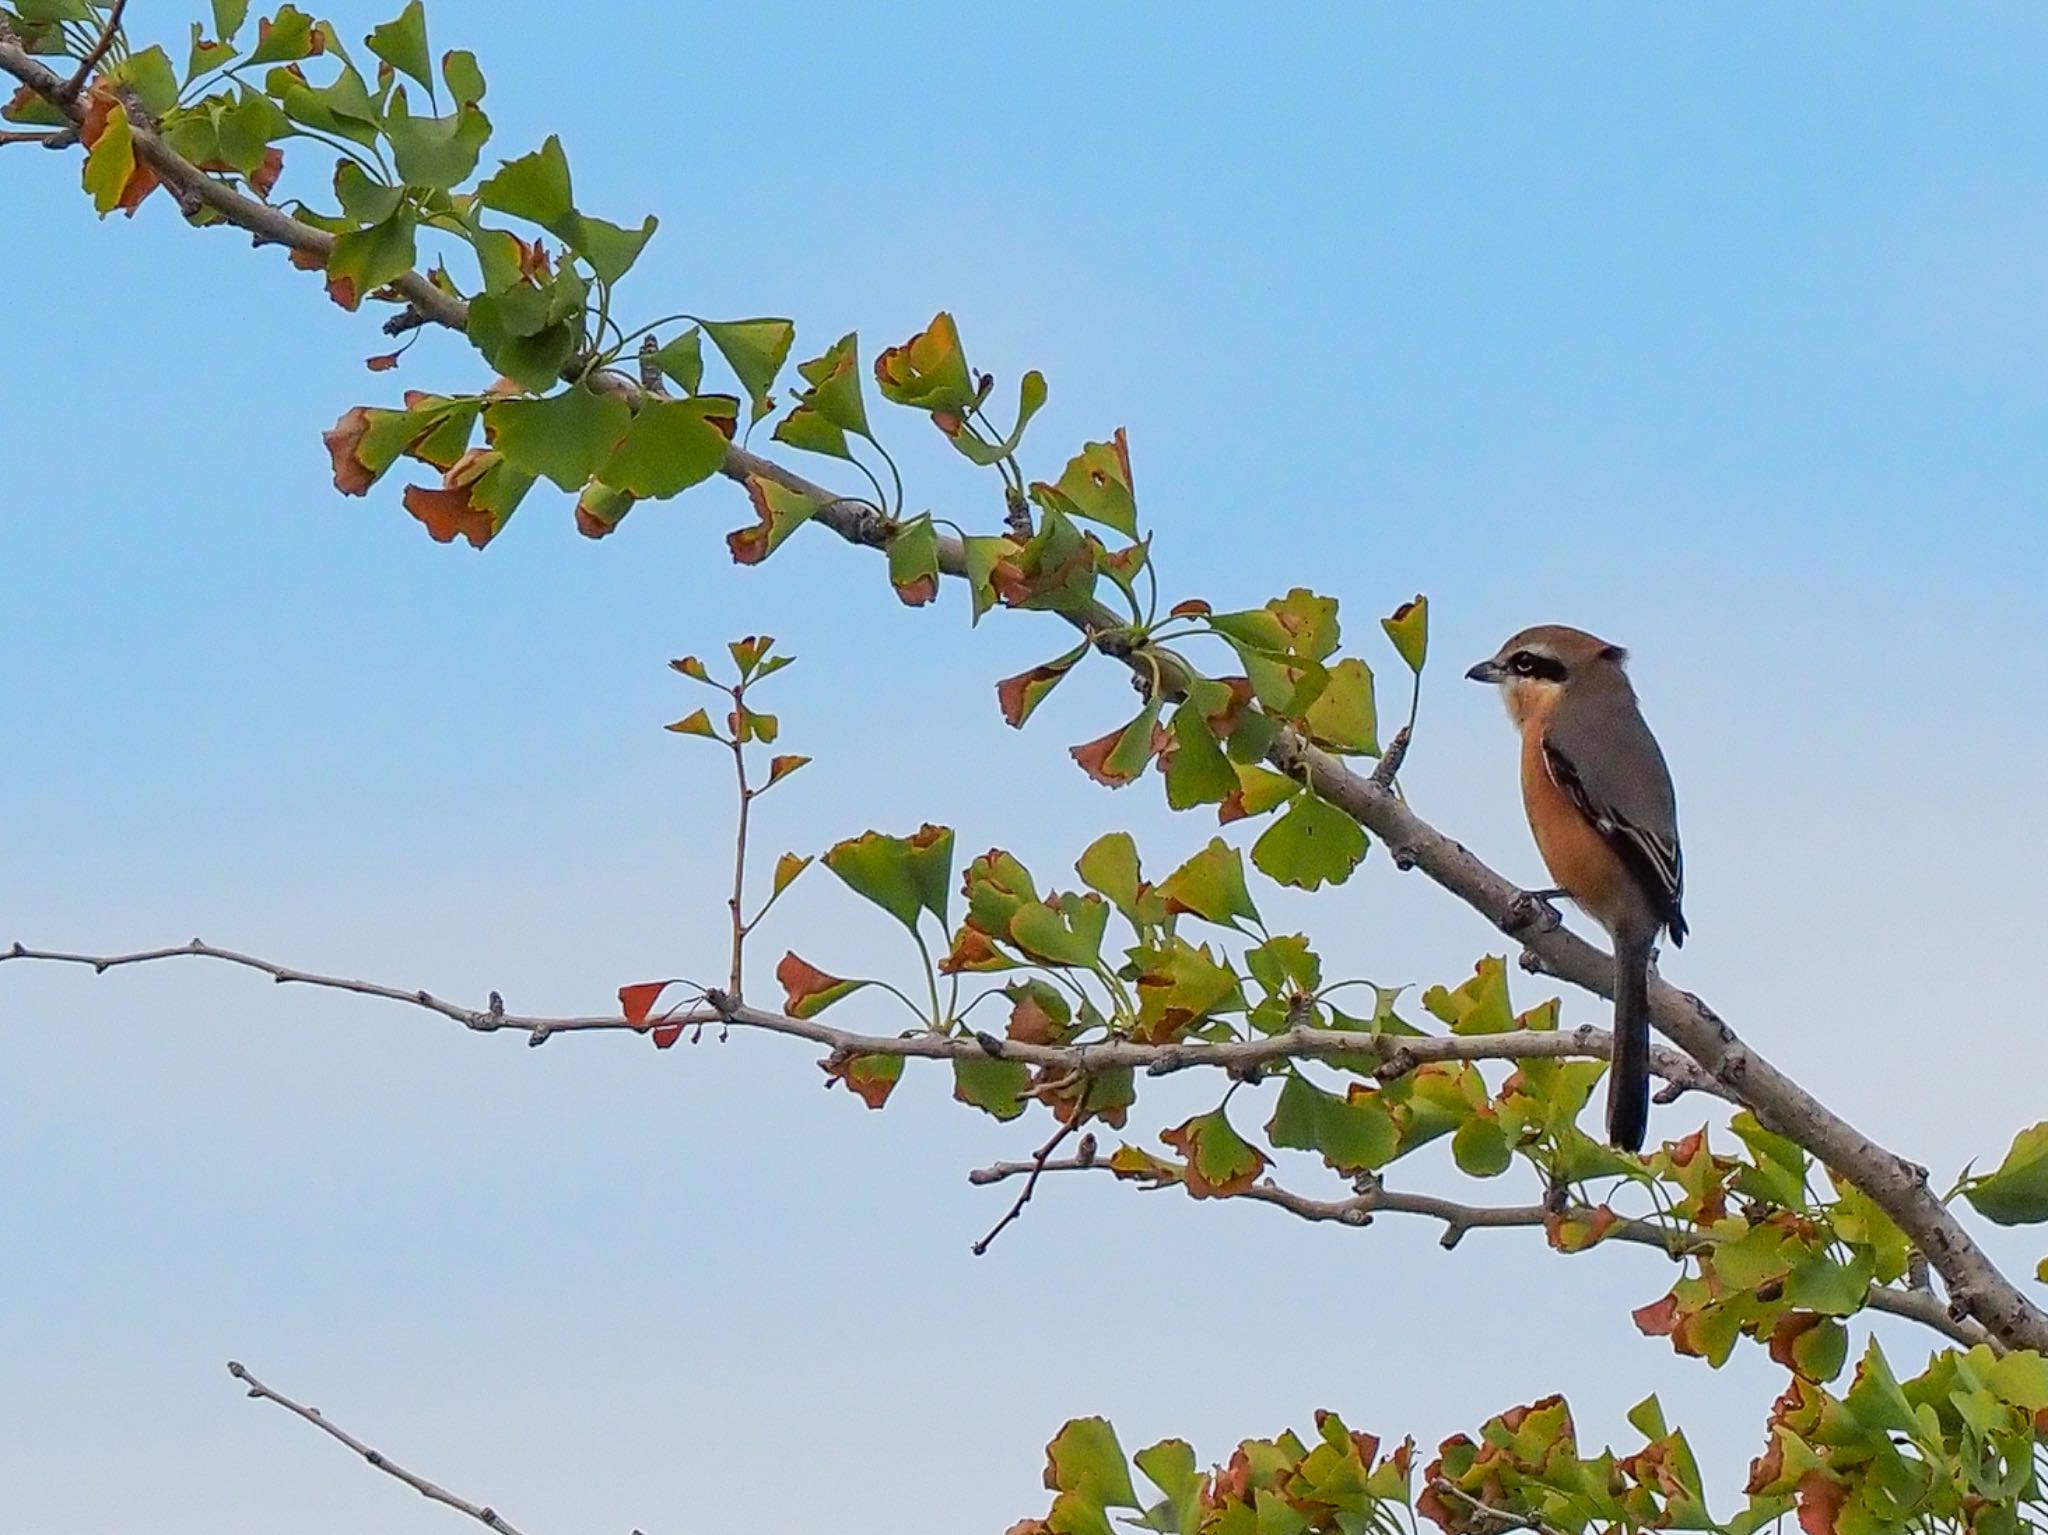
column 1628, row 1079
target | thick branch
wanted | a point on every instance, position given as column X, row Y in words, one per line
column 483, row 1515
column 1457, row 1218
column 1898, row 1186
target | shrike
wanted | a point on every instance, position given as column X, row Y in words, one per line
column 1600, row 803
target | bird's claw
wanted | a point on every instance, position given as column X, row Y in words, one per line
column 1531, row 912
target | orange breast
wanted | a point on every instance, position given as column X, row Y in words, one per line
column 1577, row 856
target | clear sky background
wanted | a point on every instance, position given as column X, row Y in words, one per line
column 1718, row 330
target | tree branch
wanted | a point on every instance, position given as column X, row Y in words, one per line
column 1457, row 1218
column 488, row 1517
column 1898, row 1186
column 112, row 29
column 1396, row 1054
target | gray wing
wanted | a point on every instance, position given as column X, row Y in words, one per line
column 1603, row 755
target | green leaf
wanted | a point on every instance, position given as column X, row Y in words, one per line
column 929, row 371
column 203, row 54
column 465, row 80
column 1343, row 716
column 996, row 1087
column 1285, row 962
column 53, row 10
column 1220, row 1162
column 1085, row 1458
column 435, row 152
column 1020, row 695
column 1353, row 1134
column 362, row 198
column 110, row 162
column 1259, row 790
column 563, row 437
column 808, row 991
column 1110, row 865
column 1480, row 1006
column 248, row 128
column 364, row 260
column 611, row 249
column 1314, row 844
column 283, row 38
column 601, row 508
column 228, row 16
column 2016, row 1193
column 1097, row 485
column 669, row 447
column 902, row 875
column 1831, row 1288
column 696, row 723
column 1211, row 885
column 403, row 44
column 1119, row 757
column 1030, row 400
column 2021, row 1378
column 683, row 360
column 1480, row 1148
column 1197, row 772
column 534, row 187
column 914, row 561
column 1408, row 628
column 1070, row 936
column 781, row 511
column 755, row 350
column 834, row 394
column 149, row 73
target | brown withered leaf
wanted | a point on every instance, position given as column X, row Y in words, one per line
column 1820, row 1501
column 447, row 513
column 351, row 478
column 264, row 177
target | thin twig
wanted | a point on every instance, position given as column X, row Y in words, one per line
column 1498, row 1520
column 1458, row 1218
column 488, row 1517
column 91, row 61
column 1395, row 1054
column 1037, row 1167
column 739, row 840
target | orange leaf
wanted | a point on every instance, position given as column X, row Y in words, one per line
column 446, row 513
column 383, row 362
column 667, row 1034
column 264, row 177
column 351, row 477
column 1820, row 1503
column 637, row 1000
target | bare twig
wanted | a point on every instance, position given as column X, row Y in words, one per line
column 1459, row 1218
column 740, row 925
column 488, row 1517
column 49, row 138
column 108, row 32
column 1495, row 1521
column 1037, row 1167
column 1395, row 1054
column 1895, row 1184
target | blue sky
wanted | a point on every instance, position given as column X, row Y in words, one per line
column 1716, row 330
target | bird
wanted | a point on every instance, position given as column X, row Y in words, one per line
column 1605, row 817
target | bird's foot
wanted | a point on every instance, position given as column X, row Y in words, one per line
column 1531, row 912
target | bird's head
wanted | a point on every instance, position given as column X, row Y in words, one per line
column 1535, row 667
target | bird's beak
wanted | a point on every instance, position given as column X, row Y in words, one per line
column 1487, row 671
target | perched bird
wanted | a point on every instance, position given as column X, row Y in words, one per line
column 1600, row 803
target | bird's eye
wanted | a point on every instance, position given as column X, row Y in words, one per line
column 1522, row 664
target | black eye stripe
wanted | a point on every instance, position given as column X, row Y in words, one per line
column 1527, row 663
